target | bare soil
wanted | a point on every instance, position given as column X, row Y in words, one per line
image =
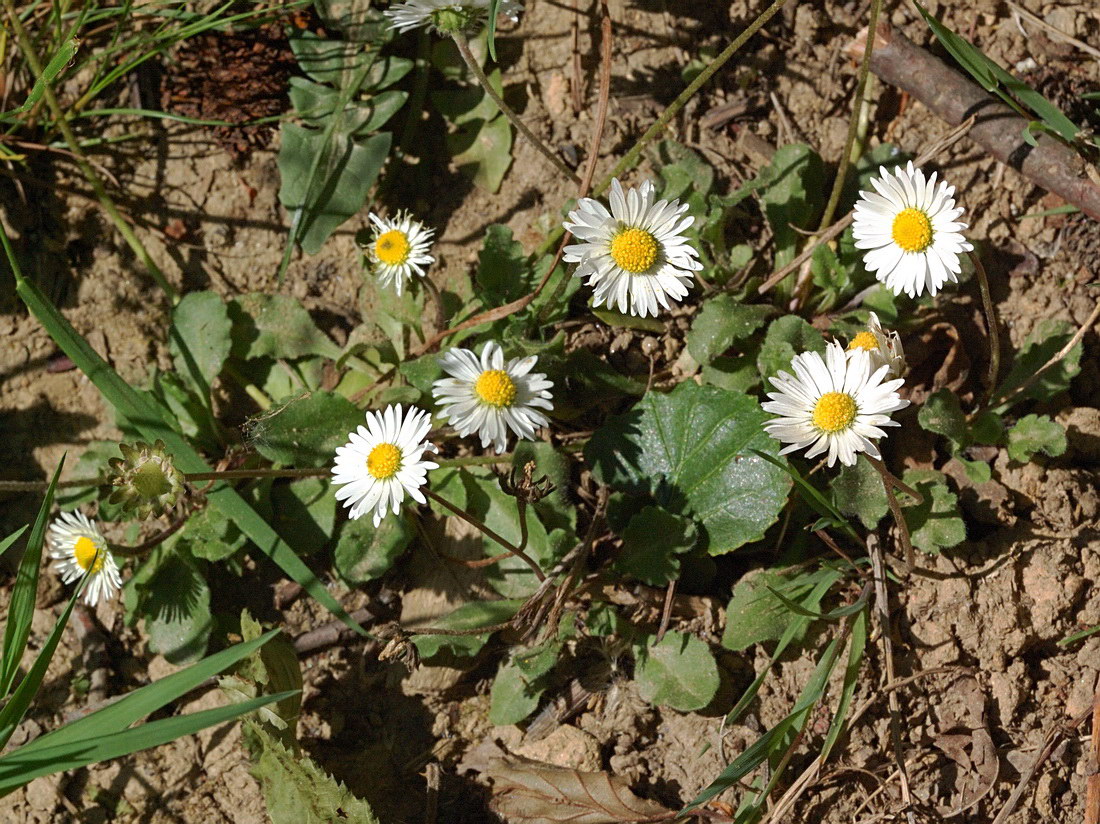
column 977, row 631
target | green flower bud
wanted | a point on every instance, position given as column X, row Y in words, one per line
column 146, row 482
column 455, row 19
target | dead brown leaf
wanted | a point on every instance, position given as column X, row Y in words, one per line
column 531, row 792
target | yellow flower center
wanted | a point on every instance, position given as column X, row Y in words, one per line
column 912, row 230
column 834, row 411
column 84, row 550
column 495, row 388
column 384, row 461
column 864, row 340
column 634, row 250
column 392, row 247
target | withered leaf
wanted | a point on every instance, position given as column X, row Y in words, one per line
column 531, row 792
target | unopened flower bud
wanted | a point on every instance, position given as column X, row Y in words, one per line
column 146, row 482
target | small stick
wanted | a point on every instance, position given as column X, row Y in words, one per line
column 991, row 328
column 947, row 94
column 331, row 633
column 479, row 73
column 1050, row 743
column 1056, row 33
column 882, row 611
column 1058, row 356
column 899, row 517
column 474, row 522
column 666, row 610
column 1092, row 768
column 433, row 775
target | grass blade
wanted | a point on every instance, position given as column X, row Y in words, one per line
column 21, row 607
column 20, row 767
column 20, row 700
column 142, row 412
column 991, row 76
column 795, row 627
column 5, row 544
column 494, row 10
column 50, row 73
column 759, row 750
column 145, row 700
column 856, row 649
column 814, row 499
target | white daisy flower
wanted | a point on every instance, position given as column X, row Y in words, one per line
column 835, row 404
column 884, row 347
column 446, row 16
column 490, row 397
column 635, row 256
column 383, row 461
column 910, row 231
column 79, row 547
column 398, row 249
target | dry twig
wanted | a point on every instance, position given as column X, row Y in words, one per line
column 999, row 130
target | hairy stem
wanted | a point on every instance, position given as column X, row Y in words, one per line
column 991, row 328
column 475, row 67
column 631, row 157
column 474, row 522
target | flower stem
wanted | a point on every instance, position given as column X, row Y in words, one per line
column 474, row 522
column 846, row 158
column 889, row 482
column 475, row 67
column 631, row 157
column 991, row 329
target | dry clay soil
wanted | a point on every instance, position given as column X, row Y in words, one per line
column 981, row 627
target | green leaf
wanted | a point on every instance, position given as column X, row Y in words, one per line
column 177, row 610
column 757, row 611
column 65, row 53
column 721, row 322
column 132, row 707
column 511, row 577
column 359, row 22
column 199, row 339
column 305, row 431
column 791, row 193
column 942, row 415
column 276, row 326
column 987, row 428
column 211, row 536
column 364, row 553
column 327, row 175
column 20, row 767
column 695, row 448
column 468, row 616
column 296, row 790
column 1033, row 434
column 651, row 543
column 991, row 76
column 684, row 171
column 21, row 606
column 20, row 700
column 483, row 151
column 1046, row 339
column 858, row 492
column 516, row 691
column 503, row 274
column 935, row 524
column 679, row 672
column 304, row 512
column 6, row 544
column 555, row 511
column 786, row 337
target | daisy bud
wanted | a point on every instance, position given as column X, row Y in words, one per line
column 146, row 482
